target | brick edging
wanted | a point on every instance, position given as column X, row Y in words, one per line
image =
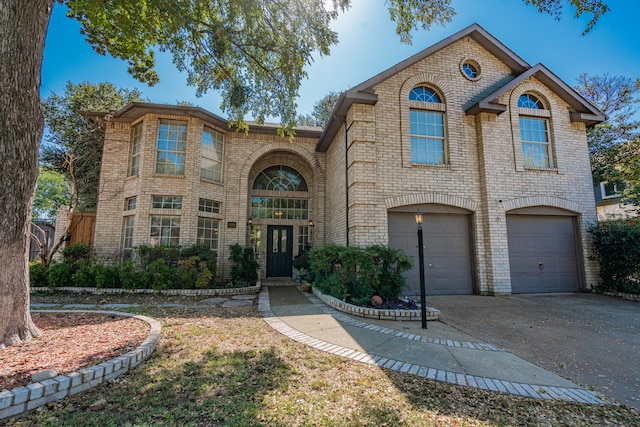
column 186, row 292
column 24, row 399
column 484, row 383
column 623, row 295
column 375, row 313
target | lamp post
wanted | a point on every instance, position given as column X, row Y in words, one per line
column 423, row 296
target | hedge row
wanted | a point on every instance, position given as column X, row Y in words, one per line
column 617, row 246
column 157, row 267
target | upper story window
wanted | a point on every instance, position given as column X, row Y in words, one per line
column 130, row 203
column 136, row 148
column 534, row 133
column 280, row 178
column 172, row 147
column 166, row 202
column 609, row 190
column 211, row 159
column 529, row 101
column 211, row 206
column 426, row 127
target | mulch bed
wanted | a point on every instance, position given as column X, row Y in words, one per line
column 70, row 341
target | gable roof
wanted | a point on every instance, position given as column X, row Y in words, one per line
column 363, row 93
column 583, row 111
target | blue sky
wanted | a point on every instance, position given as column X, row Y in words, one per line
column 368, row 45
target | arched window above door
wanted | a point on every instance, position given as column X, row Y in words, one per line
column 280, row 178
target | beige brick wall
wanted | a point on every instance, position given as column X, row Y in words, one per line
column 485, row 162
column 245, row 155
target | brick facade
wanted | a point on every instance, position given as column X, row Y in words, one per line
column 361, row 167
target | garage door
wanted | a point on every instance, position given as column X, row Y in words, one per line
column 542, row 253
column 447, row 252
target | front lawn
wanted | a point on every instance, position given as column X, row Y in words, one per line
column 227, row 367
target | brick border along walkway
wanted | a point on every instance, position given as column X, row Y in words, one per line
column 24, row 399
column 527, row 390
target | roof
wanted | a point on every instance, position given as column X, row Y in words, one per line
column 364, row 94
column 583, row 111
column 135, row 110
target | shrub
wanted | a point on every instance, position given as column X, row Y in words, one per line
column 617, row 246
column 355, row 274
column 73, row 253
column 108, row 276
column 244, row 267
column 38, row 275
column 59, row 275
column 84, row 272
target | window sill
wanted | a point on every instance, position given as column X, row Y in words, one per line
column 163, row 175
column 211, row 181
column 431, row 165
column 534, row 169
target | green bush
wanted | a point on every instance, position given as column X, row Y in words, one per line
column 244, row 267
column 355, row 274
column 108, row 276
column 158, row 267
column 59, row 275
column 73, row 253
column 617, row 246
column 84, row 272
column 38, row 275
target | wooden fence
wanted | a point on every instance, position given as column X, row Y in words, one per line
column 83, row 225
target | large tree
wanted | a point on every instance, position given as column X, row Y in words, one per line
column 252, row 51
column 614, row 145
column 73, row 143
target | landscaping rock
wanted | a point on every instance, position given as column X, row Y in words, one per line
column 213, row 300
column 43, row 375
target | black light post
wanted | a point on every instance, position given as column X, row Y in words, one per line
column 423, row 293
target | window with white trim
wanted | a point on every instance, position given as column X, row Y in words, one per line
column 426, row 127
column 609, row 190
column 211, row 206
column 130, row 203
column 534, row 133
column 164, row 230
column 127, row 232
column 211, row 154
column 136, row 149
column 166, row 202
column 171, row 147
column 208, row 232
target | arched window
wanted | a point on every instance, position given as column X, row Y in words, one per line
column 426, row 126
column 534, row 132
column 280, row 178
column 424, row 94
column 529, row 101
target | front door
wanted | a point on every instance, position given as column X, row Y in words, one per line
column 279, row 250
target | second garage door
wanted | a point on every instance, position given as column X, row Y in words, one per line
column 447, row 252
column 543, row 253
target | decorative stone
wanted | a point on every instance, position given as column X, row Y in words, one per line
column 98, row 405
column 43, row 375
column 376, row 301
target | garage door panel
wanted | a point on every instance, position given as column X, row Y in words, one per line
column 447, row 248
column 542, row 238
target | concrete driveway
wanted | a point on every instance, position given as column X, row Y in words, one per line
column 592, row 340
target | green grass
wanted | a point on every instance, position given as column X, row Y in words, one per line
column 226, row 367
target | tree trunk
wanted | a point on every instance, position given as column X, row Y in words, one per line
column 23, row 27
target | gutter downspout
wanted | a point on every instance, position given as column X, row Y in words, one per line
column 346, row 176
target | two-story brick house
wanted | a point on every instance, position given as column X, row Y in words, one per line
column 491, row 149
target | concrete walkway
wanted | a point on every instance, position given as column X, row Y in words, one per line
column 439, row 353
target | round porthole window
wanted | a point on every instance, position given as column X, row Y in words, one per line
column 470, row 69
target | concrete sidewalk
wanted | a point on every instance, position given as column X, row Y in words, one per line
column 440, row 353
